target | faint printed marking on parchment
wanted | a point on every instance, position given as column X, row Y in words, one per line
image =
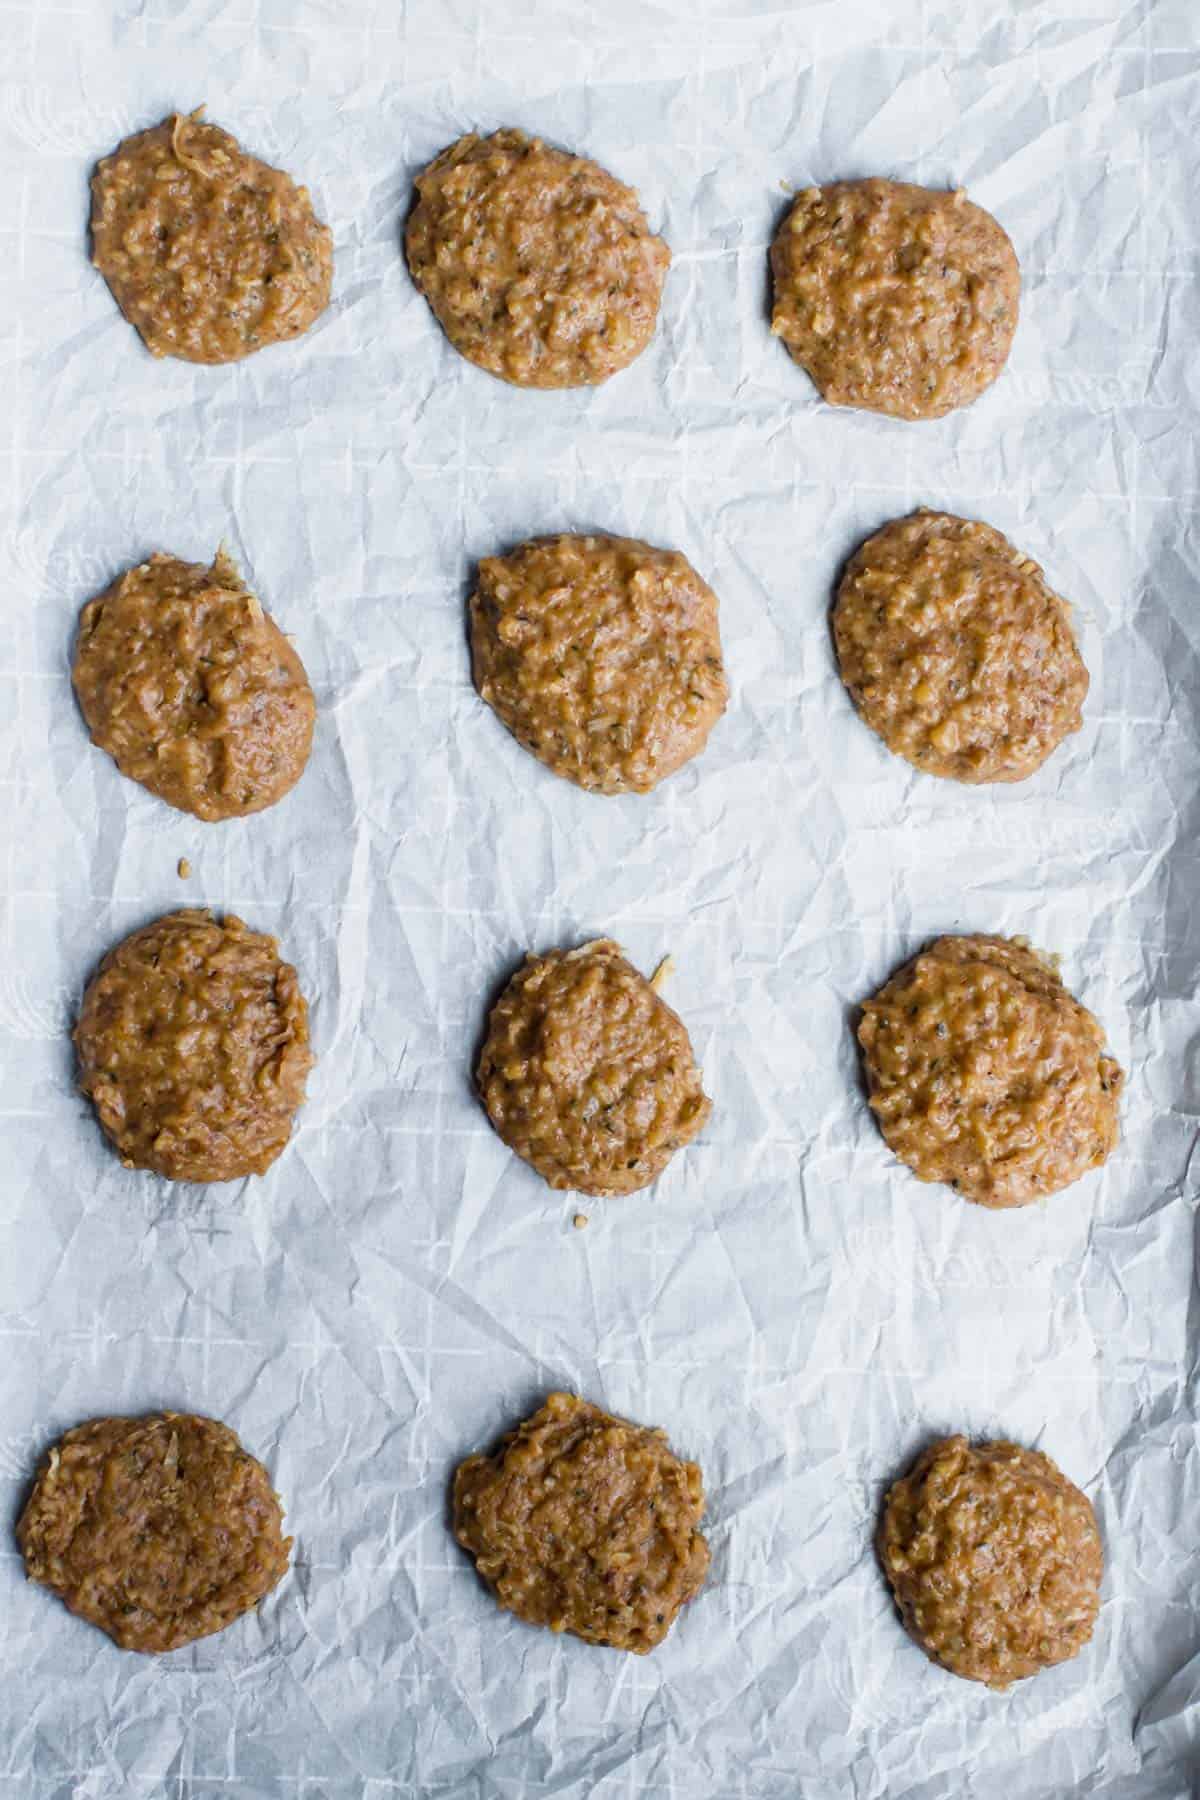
column 30, row 1013
column 38, row 570
column 30, row 109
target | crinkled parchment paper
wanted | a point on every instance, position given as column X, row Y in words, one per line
column 797, row 1310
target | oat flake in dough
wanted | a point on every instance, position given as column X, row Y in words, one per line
column 986, row 1074
column 582, row 1522
column 994, row 1558
column 539, row 265
column 896, row 298
column 209, row 253
column 160, row 1530
column 602, row 655
column 956, row 651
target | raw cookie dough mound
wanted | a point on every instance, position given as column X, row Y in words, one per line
column 586, row 1524
column 193, row 689
column 986, row 1074
column 159, row 1530
column 587, row 1074
column 193, row 1048
column 602, row 655
column 955, row 650
column 210, row 253
column 994, row 1558
column 539, row 265
column 895, row 298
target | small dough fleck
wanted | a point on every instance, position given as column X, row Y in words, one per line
column 602, row 655
column 587, row 1074
column 584, row 1523
column 956, row 651
column 986, row 1074
column 896, row 298
column 184, row 869
column 193, row 1047
column 539, row 266
column 160, row 1530
column 994, row 1558
column 209, row 253
column 192, row 688
column 580, row 1221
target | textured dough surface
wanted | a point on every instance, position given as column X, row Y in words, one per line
column 955, row 650
column 193, row 1047
column 585, row 1523
column 192, row 688
column 160, row 1530
column 896, row 298
column 209, row 253
column 602, row 655
column 994, row 1558
column 587, row 1074
column 985, row 1073
column 539, row 266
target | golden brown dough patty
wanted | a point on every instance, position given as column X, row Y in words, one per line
column 955, row 650
column 193, row 689
column 895, row 298
column 539, row 265
column 210, row 253
column 994, row 1558
column 587, row 1074
column 985, row 1073
column 159, row 1530
column 193, row 1047
column 586, row 1524
column 602, row 655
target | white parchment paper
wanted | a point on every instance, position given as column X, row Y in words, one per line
column 797, row 1310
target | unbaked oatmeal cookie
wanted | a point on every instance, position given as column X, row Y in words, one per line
column 584, row 1523
column 956, row 651
column 994, row 1558
column 192, row 688
column 602, row 655
column 160, row 1530
column 986, row 1074
column 587, row 1074
column 209, row 253
column 539, row 266
column 896, row 298
column 193, row 1047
